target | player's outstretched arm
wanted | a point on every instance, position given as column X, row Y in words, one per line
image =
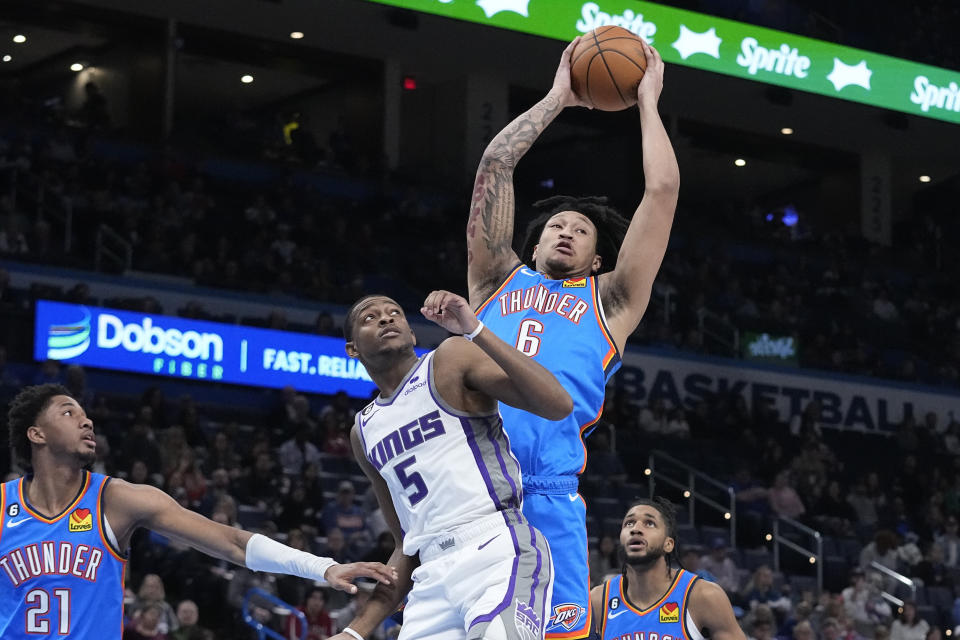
column 386, row 597
column 710, row 608
column 490, row 227
column 495, row 368
column 135, row 505
column 626, row 290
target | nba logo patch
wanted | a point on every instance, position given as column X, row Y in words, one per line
column 81, row 520
column 575, row 283
column 566, row 615
column 669, row 612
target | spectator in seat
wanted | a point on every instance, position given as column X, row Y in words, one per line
column 760, row 591
column 949, row 541
column 146, row 625
column 153, row 594
column 188, row 614
column 863, row 604
column 784, row 499
column 344, row 514
column 319, row 623
column 297, row 452
column 882, row 550
column 909, row 626
column 719, row 563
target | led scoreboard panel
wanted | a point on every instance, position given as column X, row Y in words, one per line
column 196, row 350
column 728, row 47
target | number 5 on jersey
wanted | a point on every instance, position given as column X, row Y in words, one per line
column 528, row 337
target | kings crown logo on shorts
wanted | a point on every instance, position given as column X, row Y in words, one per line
column 669, row 612
column 566, row 615
column 527, row 622
column 81, row 520
column 575, row 283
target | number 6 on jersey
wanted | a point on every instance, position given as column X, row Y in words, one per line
column 528, row 337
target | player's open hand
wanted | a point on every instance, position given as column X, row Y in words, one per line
column 651, row 85
column 341, row 576
column 450, row 311
column 561, row 81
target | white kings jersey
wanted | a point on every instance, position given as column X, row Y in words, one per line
column 445, row 468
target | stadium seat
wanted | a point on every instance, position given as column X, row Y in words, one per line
column 753, row 558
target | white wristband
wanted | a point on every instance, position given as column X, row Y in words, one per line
column 264, row 554
column 351, row 632
column 473, row 334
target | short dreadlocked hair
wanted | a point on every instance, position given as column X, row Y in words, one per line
column 25, row 408
column 611, row 226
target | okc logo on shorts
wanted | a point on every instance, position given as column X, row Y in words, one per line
column 69, row 339
column 81, row 520
column 669, row 612
column 566, row 615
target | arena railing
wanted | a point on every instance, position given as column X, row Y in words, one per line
column 720, row 331
column 112, row 245
column 899, row 577
column 815, row 555
column 657, row 465
column 262, row 630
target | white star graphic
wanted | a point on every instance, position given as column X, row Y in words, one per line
column 493, row 7
column 843, row 75
column 691, row 42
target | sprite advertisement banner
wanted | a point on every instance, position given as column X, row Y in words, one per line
column 728, row 47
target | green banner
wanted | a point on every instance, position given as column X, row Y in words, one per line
column 728, row 47
column 763, row 347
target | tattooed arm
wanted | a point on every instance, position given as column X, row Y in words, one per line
column 490, row 227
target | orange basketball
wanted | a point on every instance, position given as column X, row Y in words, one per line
column 606, row 67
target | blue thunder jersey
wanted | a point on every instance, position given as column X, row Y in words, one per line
column 666, row 619
column 560, row 324
column 59, row 576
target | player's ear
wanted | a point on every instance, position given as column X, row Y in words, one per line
column 597, row 261
column 351, row 350
column 35, row 434
column 535, row 247
column 669, row 544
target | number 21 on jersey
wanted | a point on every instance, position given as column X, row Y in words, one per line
column 528, row 337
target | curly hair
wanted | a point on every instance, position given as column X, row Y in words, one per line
column 25, row 408
column 611, row 226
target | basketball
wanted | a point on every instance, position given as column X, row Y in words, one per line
column 606, row 67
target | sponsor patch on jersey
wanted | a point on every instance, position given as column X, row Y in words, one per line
column 13, row 509
column 669, row 612
column 566, row 615
column 575, row 283
column 81, row 520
